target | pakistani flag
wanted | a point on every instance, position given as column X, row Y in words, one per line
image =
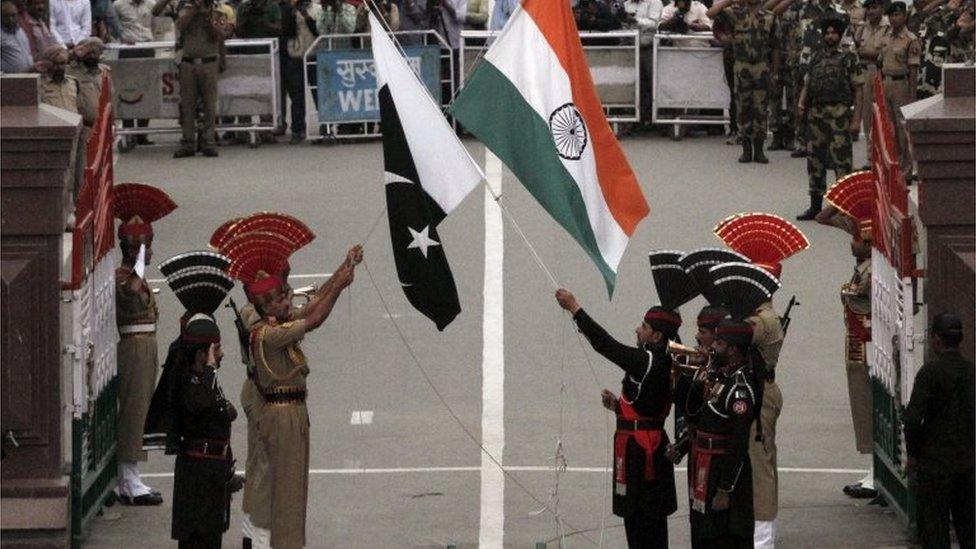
column 428, row 173
column 532, row 102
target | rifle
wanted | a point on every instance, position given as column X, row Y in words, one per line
column 243, row 336
column 784, row 321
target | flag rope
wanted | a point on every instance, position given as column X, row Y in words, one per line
column 443, row 401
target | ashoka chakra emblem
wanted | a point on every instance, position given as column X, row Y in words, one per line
column 568, row 131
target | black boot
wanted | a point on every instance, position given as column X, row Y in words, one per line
column 816, row 204
column 777, row 144
column 757, row 151
column 746, row 151
column 798, row 153
column 787, row 142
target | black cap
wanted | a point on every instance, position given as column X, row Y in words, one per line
column 895, row 7
column 869, row 3
column 201, row 328
column 948, row 327
column 833, row 21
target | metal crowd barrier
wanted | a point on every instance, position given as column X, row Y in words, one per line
column 689, row 76
column 614, row 59
column 341, row 97
column 147, row 87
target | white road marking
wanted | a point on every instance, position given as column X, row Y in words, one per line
column 364, row 417
column 521, row 469
column 492, row 524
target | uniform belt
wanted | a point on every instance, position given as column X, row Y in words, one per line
column 199, row 60
column 707, row 441
column 291, row 395
column 206, row 448
column 640, row 424
column 130, row 329
column 897, row 77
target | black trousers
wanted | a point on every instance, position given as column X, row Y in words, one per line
column 198, row 541
column 940, row 495
column 293, row 86
column 646, row 530
column 725, row 542
column 727, row 62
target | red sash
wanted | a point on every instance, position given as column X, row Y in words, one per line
column 647, row 439
column 701, row 468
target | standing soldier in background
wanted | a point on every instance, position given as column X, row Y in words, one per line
column 201, row 29
column 137, row 206
column 851, row 208
column 88, row 71
column 900, row 55
column 833, row 83
column 867, row 39
column 55, row 86
column 782, row 97
column 756, row 59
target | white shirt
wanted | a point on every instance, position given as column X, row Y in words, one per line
column 647, row 15
column 696, row 13
column 71, row 20
column 135, row 20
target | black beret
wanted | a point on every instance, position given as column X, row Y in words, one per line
column 896, row 7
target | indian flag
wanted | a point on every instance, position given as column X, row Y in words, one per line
column 532, row 102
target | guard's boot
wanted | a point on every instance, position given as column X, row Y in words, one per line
column 184, row 151
column 757, row 151
column 787, row 142
column 816, row 204
column 746, row 151
column 777, row 144
column 798, row 153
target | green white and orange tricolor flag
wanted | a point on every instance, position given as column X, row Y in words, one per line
column 532, row 102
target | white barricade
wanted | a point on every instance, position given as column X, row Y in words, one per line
column 340, row 80
column 688, row 74
column 613, row 57
column 145, row 78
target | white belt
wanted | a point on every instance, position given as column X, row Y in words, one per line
column 137, row 329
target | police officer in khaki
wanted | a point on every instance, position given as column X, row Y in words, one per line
column 867, row 38
column 87, row 70
column 201, row 29
column 899, row 57
column 55, row 86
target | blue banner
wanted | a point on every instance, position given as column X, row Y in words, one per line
column 347, row 82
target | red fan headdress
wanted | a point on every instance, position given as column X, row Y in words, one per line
column 854, row 196
column 766, row 239
column 257, row 259
column 138, row 206
column 286, row 226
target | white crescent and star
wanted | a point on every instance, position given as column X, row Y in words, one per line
column 421, row 240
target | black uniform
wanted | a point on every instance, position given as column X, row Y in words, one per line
column 720, row 413
column 643, row 503
column 939, row 425
column 201, row 496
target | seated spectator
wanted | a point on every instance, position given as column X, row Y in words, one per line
column 685, row 16
column 71, row 21
column 413, row 17
column 135, row 20
column 165, row 14
column 390, row 13
column 15, row 54
column 105, row 21
column 476, row 17
column 503, row 10
column 34, row 21
column 595, row 15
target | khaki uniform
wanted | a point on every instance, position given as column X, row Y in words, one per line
column 280, row 368
column 768, row 337
column 899, row 52
column 856, row 297
column 89, row 89
column 257, row 489
column 199, row 54
column 63, row 95
column 136, row 315
column 869, row 36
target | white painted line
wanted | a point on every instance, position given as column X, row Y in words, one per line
column 364, row 417
column 492, row 525
column 520, row 469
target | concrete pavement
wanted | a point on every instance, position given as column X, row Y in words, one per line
column 412, row 477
